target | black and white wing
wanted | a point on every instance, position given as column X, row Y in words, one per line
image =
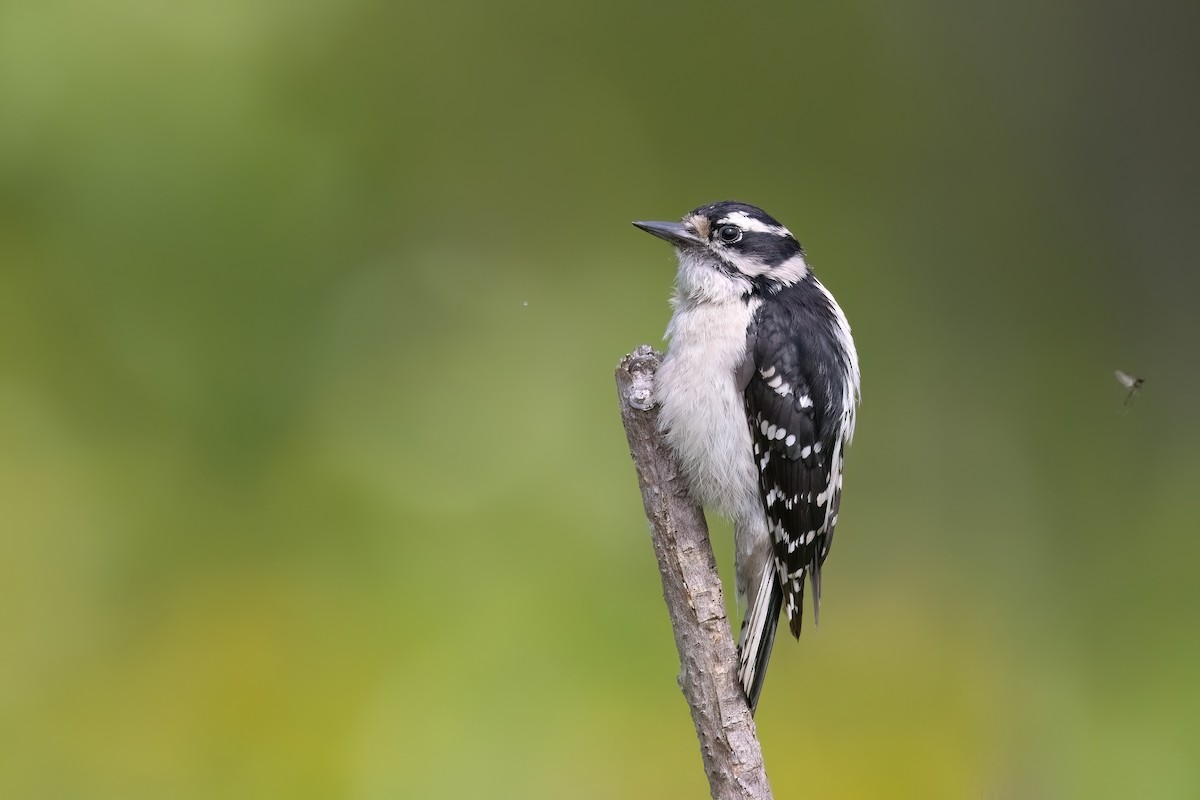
column 797, row 419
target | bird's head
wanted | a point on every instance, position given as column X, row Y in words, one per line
column 731, row 248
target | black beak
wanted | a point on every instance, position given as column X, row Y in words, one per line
column 673, row 232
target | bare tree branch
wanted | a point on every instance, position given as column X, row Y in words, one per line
column 707, row 654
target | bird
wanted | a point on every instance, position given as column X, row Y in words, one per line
column 758, row 394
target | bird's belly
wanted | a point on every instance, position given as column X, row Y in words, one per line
column 702, row 410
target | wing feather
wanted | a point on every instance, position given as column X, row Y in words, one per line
column 797, row 446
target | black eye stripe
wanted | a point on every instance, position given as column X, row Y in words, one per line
column 768, row 248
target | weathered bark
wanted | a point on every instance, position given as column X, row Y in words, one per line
column 692, row 589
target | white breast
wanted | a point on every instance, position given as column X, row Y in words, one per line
column 703, row 413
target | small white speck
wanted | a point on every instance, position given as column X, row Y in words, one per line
column 780, row 433
column 764, row 427
column 1127, row 380
column 767, row 373
column 817, row 447
column 1131, row 383
column 805, row 401
column 775, row 382
column 806, row 452
column 790, row 440
column 526, row 303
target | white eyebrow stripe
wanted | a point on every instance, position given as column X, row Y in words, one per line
column 749, row 223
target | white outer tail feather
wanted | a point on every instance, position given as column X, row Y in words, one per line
column 759, row 623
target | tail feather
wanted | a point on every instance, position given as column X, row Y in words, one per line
column 758, row 634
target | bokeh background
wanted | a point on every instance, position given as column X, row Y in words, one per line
column 312, row 483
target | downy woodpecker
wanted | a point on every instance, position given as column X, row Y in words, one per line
column 758, row 393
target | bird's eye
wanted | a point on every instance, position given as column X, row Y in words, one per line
column 729, row 233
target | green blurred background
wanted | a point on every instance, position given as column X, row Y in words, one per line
column 312, row 482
